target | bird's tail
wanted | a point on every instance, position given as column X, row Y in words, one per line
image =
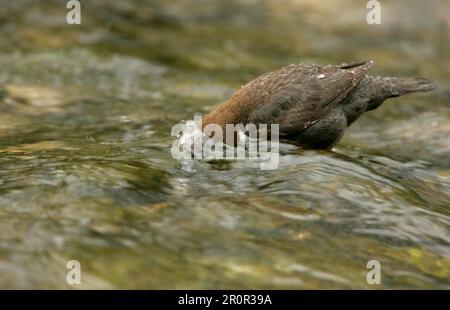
column 401, row 86
column 377, row 88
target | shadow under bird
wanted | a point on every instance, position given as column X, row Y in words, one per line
column 312, row 104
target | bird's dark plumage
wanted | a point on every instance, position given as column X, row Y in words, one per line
column 312, row 104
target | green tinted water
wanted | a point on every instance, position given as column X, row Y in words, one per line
column 86, row 171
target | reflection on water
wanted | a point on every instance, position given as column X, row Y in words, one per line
column 86, row 171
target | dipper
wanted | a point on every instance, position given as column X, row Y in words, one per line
column 312, row 104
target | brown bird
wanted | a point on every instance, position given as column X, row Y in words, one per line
column 312, row 104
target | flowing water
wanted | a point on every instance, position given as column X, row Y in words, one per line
column 86, row 172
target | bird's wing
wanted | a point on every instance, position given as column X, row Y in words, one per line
column 314, row 92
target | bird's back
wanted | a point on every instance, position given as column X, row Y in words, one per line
column 296, row 96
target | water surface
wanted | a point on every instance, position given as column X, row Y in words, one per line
column 86, row 172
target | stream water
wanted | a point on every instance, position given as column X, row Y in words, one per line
column 86, row 171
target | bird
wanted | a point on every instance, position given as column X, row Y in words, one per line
column 312, row 104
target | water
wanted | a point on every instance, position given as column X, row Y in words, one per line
column 86, row 171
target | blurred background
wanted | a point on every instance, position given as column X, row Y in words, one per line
column 85, row 167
